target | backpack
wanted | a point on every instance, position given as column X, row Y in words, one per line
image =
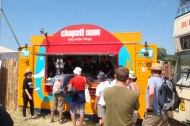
column 168, row 98
column 57, row 87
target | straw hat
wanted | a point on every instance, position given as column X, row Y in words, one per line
column 77, row 70
column 132, row 75
column 156, row 66
column 28, row 71
column 101, row 75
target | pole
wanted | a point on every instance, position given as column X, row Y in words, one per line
column 9, row 24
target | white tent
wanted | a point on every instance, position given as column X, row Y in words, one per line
column 6, row 53
column 6, row 50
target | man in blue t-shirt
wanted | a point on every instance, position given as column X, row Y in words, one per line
column 154, row 115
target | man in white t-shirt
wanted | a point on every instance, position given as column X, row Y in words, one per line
column 99, row 101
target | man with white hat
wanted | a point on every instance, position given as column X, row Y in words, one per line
column 154, row 115
column 78, row 83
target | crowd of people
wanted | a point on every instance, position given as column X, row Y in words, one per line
column 116, row 101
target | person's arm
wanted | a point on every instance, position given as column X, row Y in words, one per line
column 136, row 88
column 151, row 96
column 29, row 95
column 137, row 104
column 109, row 72
column 69, row 87
column 98, row 93
column 96, row 102
column 25, row 88
column 110, row 69
column 64, row 84
column 87, row 82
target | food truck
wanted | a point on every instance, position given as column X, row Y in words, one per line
column 48, row 52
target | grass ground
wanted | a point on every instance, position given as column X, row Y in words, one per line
column 41, row 120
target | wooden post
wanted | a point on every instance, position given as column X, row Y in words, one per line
column 9, row 83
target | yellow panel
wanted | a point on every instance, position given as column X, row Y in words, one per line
column 142, row 72
column 131, row 49
column 37, row 40
column 129, row 37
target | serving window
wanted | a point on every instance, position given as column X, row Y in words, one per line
column 90, row 64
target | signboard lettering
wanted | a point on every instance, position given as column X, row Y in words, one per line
column 80, row 33
column 185, row 24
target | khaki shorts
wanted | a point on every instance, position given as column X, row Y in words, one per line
column 58, row 102
column 151, row 119
column 101, row 110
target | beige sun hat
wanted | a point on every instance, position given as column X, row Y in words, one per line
column 28, row 71
column 132, row 75
column 157, row 67
column 77, row 70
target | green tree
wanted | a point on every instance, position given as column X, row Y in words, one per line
column 161, row 53
column 173, row 60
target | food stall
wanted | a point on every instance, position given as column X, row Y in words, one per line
column 48, row 52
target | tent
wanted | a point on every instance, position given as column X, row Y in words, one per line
column 6, row 53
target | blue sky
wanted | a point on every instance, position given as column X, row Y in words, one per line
column 154, row 18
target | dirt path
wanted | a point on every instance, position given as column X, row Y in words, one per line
column 41, row 120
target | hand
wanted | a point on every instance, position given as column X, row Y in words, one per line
column 30, row 97
column 95, row 107
column 106, row 75
column 149, row 109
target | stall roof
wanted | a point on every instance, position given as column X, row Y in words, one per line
column 84, row 39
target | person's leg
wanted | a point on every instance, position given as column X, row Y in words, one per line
column 25, row 102
column 53, row 108
column 73, row 115
column 52, row 115
column 81, row 119
column 103, row 120
column 100, row 121
column 31, row 108
column 61, row 117
column 164, row 120
column 81, row 109
column 60, row 107
column 101, row 114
